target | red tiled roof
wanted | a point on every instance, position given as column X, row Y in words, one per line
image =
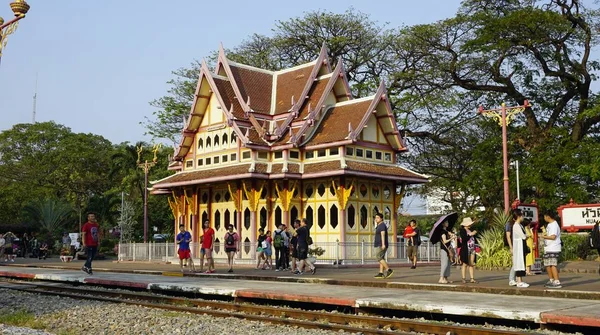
column 256, row 85
column 383, row 169
column 321, row 167
column 290, row 84
column 228, row 95
column 334, row 127
column 314, row 94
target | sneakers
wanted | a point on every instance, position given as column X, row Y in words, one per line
column 553, row 284
column 313, row 270
column 86, row 270
column 549, row 283
column 379, row 276
column 230, row 270
column 413, row 267
column 277, row 270
column 522, row 284
column 389, row 273
column 512, row 283
column 298, row 273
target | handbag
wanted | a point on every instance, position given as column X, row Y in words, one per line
column 526, row 248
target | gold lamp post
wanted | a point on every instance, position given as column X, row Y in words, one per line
column 146, row 166
column 19, row 8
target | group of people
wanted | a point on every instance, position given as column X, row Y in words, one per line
column 27, row 246
column 518, row 238
column 290, row 244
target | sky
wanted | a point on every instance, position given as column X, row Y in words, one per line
column 99, row 63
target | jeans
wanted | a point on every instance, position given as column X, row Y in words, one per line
column 285, row 258
column 279, row 257
column 445, row 269
column 91, row 253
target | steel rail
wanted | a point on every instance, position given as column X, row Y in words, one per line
column 278, row 315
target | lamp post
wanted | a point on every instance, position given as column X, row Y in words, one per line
column 146, row 166
column 504, row 115
column 19, row 8
column 516, row 165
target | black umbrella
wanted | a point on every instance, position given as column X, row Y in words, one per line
column 436, row 231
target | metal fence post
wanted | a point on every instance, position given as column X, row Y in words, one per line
column 428, row 249
column 362, row 252
column 166, row 251
column 337, row 252
column 134, row 251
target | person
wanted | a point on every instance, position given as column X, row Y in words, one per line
column 286, row 249
column 43, row 253
column 267, row 244
column 381, row 244
column 519, row 251
column 183, row 239
column 467, row 250
column 260, row 254
column 66, row 241
column 595, row 238
column 2, row 243
column 302, row 246
column 552, row 249
column 508, row 243
column 530, row 258
column 292, row 231
column 446, row 254
column 26, row 249
column 279, row 241
column 90, row 237
column 208, row 243
column 413, row 240
column 8, row 247
column 232, row 245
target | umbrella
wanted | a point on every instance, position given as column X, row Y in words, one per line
column 436, row 231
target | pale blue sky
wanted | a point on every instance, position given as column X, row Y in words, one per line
column 101, row 62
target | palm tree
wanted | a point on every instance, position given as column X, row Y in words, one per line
column 50, row 215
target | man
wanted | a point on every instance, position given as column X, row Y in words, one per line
column 8, row 247
column 292, row 231
column 512, row 278
column 381, row 245
column 552, row 249
column 208, row 243
column 2, row 243
column 413, row 240
column 302, row 246
column 90, row 239
column 66, row 241
column 279, row 237
column 183, row 239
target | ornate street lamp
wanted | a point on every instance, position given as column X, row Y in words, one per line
column 20, row 8
column 146, row 166
column 504, row 115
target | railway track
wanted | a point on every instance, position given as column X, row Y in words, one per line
column 361, row 324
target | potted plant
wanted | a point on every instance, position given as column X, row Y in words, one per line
column 313, row 253
column 65, row 254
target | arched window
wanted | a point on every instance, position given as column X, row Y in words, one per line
column 321, row 190
column 278, row 216
column 321, row 218
column 204, row 217
column 216, row 141
column 364, row 216
column 233, row 138
column 333, row 216
column 227, row 218
column 247, row 219
column 309, row 216
column 263, row 219
column 201, row 144
column 217, row 220
column 351, row 216
column 225, row 142
column 294, row 213
column 208, row 143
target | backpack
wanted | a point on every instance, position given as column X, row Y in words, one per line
column 278, row 240
column 595, row 237
column 230, row 239
column 417, row 238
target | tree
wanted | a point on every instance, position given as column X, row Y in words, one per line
column 126, row 221
column 50, row 215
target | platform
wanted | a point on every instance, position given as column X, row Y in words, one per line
column 544, row 310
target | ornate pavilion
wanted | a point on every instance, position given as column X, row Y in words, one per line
column 262, row 147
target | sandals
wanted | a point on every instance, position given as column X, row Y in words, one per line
column 464, row 281
column 473, row 281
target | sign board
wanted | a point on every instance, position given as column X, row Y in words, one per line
column 74, row 237
column 582, row 216
column 530, row 212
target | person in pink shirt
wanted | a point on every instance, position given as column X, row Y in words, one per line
column 232, row 245
column 208, row 243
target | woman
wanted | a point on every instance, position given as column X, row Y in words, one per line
column 446, row 254
column 260, row 254
column 530, row 258
column 268, row 251
column 519, row 247
column 232, row 240
column 467, row 249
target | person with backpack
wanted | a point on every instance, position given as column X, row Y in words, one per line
column 260, row 254
column 232, row 241
column 279, row 237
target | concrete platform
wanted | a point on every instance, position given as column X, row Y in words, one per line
column 544, row 310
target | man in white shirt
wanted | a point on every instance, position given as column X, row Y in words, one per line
column 552, row 249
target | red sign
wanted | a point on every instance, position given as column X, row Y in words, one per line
column 576, row 217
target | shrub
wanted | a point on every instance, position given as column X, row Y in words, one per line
column 575, row 247
column 493, row 252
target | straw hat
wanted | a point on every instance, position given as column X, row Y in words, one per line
column 466, row 222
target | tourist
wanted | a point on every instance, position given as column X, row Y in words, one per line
column 293, row 245
column 232, row 245
column 183, row 240
column 381, row 245
column 279, row 242
column 446, row 254
column 552, row 249
column 302, row 246
column 66, row 241
column 267, row 244
column 413, row 240
column 260, row 254
column 208, row 243
column 285, row 263
column 43, row 253
column 8, row 247
column 519, row 248
column 530, row 258
column 467, row 250
column 26, row 248
column 90, row 239
column 508, row 227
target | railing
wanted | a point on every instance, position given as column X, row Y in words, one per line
column 335, row 252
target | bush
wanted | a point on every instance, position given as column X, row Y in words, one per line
column 493, row 252
column 107, row 246
column 575, row 247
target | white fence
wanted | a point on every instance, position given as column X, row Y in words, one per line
column 335, row 252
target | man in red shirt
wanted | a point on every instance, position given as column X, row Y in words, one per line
column 90, row 239
column 208, row 242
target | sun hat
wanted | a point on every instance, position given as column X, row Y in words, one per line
column 466, row 222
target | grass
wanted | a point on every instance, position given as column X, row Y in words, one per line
column 21, row 318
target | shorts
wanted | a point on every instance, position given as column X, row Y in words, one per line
column 228, row 250
column 206, row 252
column 302, row 253
column 268, row 252
column 8, row 250
column 551, row 258
column 184, row 254
column 381, row 253
column 411, row 251
column 294, row 253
